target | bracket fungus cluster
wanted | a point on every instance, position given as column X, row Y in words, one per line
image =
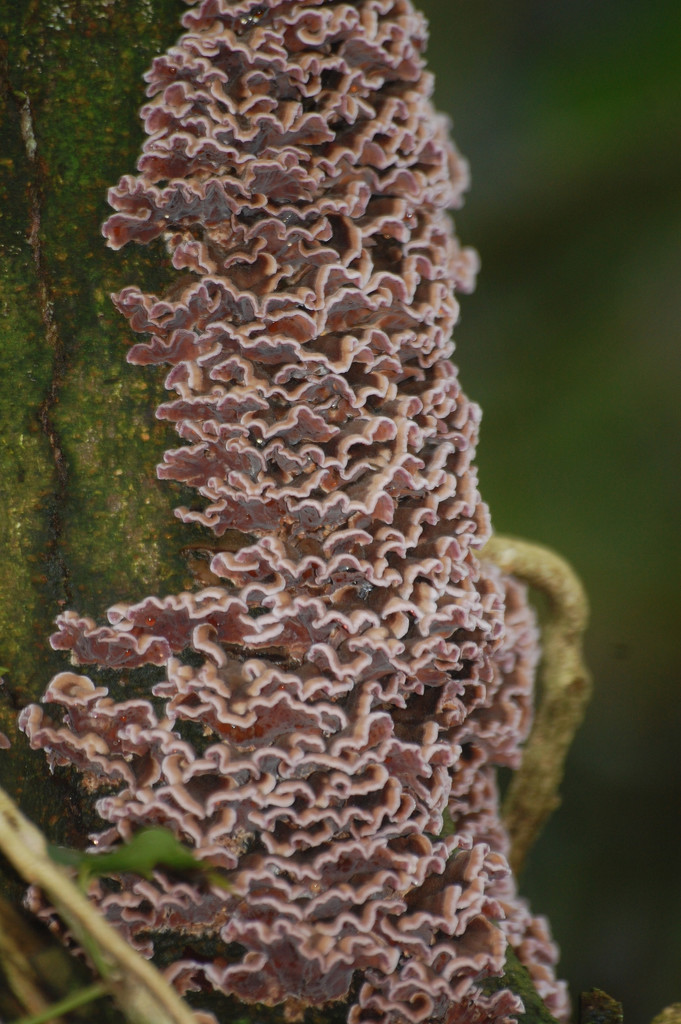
column 355, row 674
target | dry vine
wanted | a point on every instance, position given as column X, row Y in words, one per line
column 137, row 987
column 565, row 687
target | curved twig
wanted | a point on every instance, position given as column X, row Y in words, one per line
column 565, row 687
column 138, row 988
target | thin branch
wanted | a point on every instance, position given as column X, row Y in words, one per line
column 138, row 988
column 72, row 1002
column 565, row 685
column 19, row 972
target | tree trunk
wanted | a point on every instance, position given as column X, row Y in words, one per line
column 83, row 521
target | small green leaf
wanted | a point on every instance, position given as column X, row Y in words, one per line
column 148, row 849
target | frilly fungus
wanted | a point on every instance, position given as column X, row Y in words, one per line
column 356, row 672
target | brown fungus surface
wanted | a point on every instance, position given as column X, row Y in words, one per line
column 354, row 673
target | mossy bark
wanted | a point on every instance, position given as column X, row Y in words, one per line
column 83, row 520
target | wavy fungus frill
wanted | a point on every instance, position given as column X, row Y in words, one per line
column 354, row 672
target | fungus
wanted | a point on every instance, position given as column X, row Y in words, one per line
column 354, row 674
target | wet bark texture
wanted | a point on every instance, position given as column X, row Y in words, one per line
column 83, row 520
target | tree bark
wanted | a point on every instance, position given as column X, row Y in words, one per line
column 83, row 522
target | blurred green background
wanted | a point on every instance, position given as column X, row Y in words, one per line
column 570, row 115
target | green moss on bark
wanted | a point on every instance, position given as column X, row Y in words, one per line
column 83, row 520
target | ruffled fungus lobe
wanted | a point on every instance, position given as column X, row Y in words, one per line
column 355, row 672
